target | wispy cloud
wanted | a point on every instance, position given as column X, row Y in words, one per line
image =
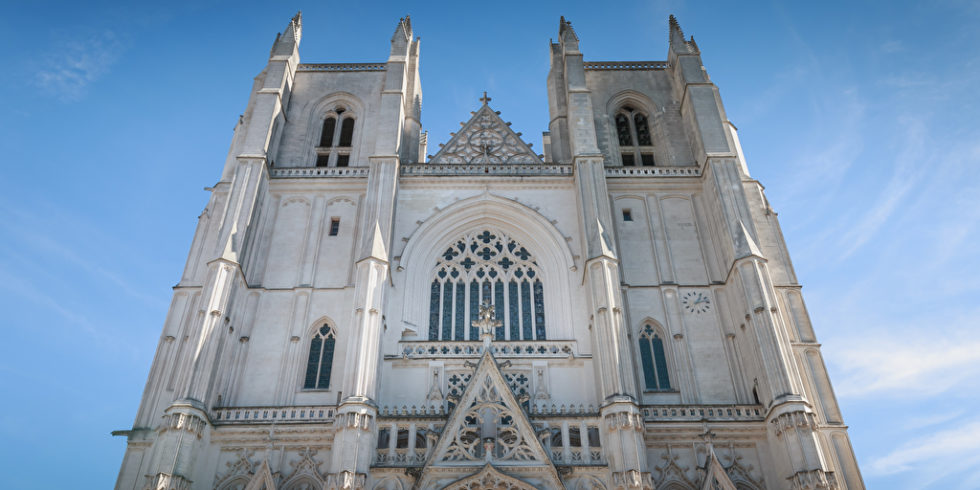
column 892, row 364
column 905, row 174
column 76, row 62
column 934, row 456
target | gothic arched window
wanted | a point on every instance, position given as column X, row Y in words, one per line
column 654, row 360
column 335, row 139
column 320, row 362
column 633, row 134
column 486, row 266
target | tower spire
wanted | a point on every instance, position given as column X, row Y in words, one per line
column 289, row 39
column 678, row 43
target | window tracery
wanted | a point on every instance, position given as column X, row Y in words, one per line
column 654, row 360
column 320, row 362
column 633, row 134
column 486, row 266
column 336, row 137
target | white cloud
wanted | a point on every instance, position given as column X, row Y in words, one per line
column 936, row 455
column 77, row 62
column 905, row 175
column 905, row 364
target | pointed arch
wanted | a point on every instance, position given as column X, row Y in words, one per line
column 519, row 222
column 655, row 357
column 489, row 477
column 345, row 133
column 632, row 137
column 389, row 483
column 322, row 341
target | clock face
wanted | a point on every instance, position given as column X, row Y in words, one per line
column 696, row 302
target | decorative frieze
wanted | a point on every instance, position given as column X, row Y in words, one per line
column 623, row 421
column 183, row 421
column 632, row 479
column 791, row 420
column 813, row 480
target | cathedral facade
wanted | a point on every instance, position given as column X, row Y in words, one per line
column 618, row 311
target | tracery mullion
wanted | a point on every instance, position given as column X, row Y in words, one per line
column 474, row 307
column 526, row 327
column 498, row 300
column 447, row 310
column 514, row 307
column 460, row 311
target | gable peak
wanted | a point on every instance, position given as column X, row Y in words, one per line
column 489, row 428
column 485, row 139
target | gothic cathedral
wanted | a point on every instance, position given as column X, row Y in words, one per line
column 618, row 311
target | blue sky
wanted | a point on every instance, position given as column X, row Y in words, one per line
column 860, row 118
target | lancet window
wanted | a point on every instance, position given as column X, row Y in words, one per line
column 320, row 362
column 336, row 137
column 633, row 134
column 654, row 360
column 486, row 266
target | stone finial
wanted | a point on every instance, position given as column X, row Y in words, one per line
column 566, row 34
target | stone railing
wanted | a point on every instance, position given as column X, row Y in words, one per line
column 500, row 349
column 341, row 67
column 653, row 172
column 693, row 413
column 301, row 172
column 538, row 409
column 577, row 456
column 625, row 65
column 401, row 457
column 435, row 410
column 516, row 169
column 273, row 415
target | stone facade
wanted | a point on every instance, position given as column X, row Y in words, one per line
column 619, row 311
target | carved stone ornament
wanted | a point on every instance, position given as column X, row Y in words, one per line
column 485, row 139
column 489, row 429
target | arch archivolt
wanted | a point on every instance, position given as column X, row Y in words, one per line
column 627, row 97
column 521, row 223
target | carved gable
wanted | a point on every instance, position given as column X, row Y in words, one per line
column 486, row 139
column 489, row 477
column 715, row 477
column 488, row 427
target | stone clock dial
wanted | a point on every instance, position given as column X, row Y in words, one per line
column 696, row 302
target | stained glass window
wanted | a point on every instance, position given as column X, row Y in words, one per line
column 320, row 361
column 486, row 266
column 654, row 360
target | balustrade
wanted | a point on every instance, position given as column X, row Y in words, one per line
column 268, row 415
column 663, row 413
column 450, row 169
column 625, row 65
column 500, row 349
column 653, row 172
